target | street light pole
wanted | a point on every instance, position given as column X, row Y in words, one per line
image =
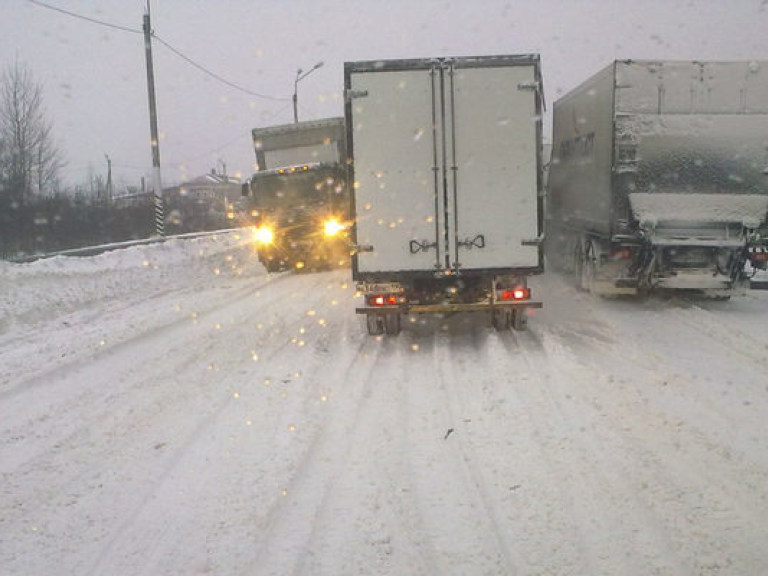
column 300, row 76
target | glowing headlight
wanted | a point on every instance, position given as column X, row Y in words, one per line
column 264, row 235
column 333, row 227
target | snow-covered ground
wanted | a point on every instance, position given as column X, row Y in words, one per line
column 171, row 409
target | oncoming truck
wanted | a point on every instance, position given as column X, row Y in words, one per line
column 446, row 186
column 659, row 178
column 298, row 198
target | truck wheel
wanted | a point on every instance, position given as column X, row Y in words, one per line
column 588, row 267
column 577, row 262
column 392, row 324
column 375, row 324
column 501, row 319
column 519, row 319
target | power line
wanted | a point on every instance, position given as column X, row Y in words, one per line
column 86, row 18
column 213, row 75
column 164, row 43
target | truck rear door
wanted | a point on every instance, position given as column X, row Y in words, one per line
column 446, row 164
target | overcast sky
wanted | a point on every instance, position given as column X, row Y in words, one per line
column 95, row 81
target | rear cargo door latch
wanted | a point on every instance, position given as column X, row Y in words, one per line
column 476, row 242
column 423, row 246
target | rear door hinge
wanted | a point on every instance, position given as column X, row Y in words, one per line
column 352, row 94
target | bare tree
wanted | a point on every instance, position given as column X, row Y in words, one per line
column 30, row 160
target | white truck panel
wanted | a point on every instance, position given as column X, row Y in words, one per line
column 394, row 181
column 312, row 141
column 446, row 165
column 326, row 153
column 496, row 158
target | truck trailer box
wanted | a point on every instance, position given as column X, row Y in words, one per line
column 659, row 176
column 309, row 141
column 446, row 180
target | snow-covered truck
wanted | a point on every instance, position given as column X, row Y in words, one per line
column 446, row 186
column 298, row 198
column 659, row 177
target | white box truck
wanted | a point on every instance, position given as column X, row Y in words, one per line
column 659, row 177
column 446, row 186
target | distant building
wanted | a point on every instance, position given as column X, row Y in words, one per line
column 131, row 196
column 208, row 202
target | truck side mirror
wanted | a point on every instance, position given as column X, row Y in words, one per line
column 246, row 189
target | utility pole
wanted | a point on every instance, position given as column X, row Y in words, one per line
column 109, row 178
column 159, row 212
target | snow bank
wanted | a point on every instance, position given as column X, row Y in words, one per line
column 38, row 290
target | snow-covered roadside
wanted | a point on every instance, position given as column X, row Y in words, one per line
column 40, row 300
column 62, row 284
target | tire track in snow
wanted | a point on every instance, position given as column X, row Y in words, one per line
column 283, row 408
column 649, row 464
column 427, row 496
column 714, row 324
column 63, row 391
column 587, row 515
column 130, row 549
column 449, row 348
column 386, row 528
column 294, row 522
column 189, row 368
column 69, row 364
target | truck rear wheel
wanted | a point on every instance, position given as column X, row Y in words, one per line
column 501, row 319
column 588, row 267
column 577, row 262
column 519, row 319
column 392, row 324
column 375, row 324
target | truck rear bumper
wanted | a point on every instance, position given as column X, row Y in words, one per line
column 446, row 308
column 614, row 287
column 694, row 281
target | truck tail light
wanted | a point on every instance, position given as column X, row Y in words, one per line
column 621, row 253
column 385, row 300
column 519, row 293
column 759, row 260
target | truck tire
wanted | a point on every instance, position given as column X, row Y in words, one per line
column 577, row 262
column 392, row 324
column 519, row 319
column 588, row 267
column 375, row 324
column 501, row 319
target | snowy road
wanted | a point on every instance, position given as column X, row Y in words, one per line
column 171, row 409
